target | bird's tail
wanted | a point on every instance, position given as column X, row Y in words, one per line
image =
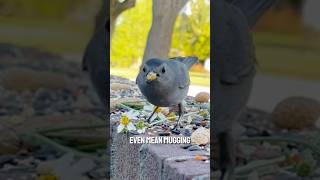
column 188, row 61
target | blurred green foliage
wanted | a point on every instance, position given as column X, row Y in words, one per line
column 191, row 36
column 130, row 36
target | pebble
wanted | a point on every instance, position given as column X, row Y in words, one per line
column 175, row 131
column 194, row 148
column 133, row 132
column 187, row 132
column 164, row 133
column 185, row 146
column 296, row 113
column 202, row 97
column 200, row 136
column 197, row 120
column 204, row 123
column 119, row 86
column 180, row 159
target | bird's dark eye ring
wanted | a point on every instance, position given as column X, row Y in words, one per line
column 144, row 69
column 163, row 70
column 158, row 75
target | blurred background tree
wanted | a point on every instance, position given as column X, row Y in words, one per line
column 117, row 7
column 129, row 38
column 191, row 33
column 191, row 36
column 164, row 15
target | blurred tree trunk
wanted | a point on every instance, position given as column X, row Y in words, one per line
column 117, row 7
column 164, row 14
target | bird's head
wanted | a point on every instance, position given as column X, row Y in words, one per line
column 155, row 71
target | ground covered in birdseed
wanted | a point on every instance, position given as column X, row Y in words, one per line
column 49, row 117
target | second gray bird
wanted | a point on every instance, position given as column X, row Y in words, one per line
column 166, row 83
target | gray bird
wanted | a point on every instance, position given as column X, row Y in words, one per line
column 96, row 56
column 234, row 69
column 95, row 61
column 166, row 83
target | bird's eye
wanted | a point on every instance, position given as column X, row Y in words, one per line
column 163, row 70
column 144, row 69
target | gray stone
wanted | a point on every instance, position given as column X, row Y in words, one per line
column 194, row 148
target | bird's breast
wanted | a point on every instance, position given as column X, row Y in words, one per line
column 163, row 95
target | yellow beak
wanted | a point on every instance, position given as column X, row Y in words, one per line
column 151, row 76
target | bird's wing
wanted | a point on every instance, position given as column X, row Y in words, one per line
column 253, row 9
column 95, row 61
column 182, row 74
column 188, row 61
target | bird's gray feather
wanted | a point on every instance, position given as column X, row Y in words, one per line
column 96, row 63
column 182, row 77
column 188, row 61
column 233, row 45
column 171, row 85
column 253, row 9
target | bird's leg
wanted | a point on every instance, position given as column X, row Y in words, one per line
column 227, row 158
column 180, row 112
column 155, row 109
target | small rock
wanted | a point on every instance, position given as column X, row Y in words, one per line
column 180, row 159
column 119, row 86
column 133, row 132
column 197, row 120
column 201, row 136
column 185, row 146
column 164, row 133
column 187, row 132
column 204, row 123
column 202, row 97
column 296, row 113
column 175, row 131
column 188, row 127
column 198, row 158
column 194, row 148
